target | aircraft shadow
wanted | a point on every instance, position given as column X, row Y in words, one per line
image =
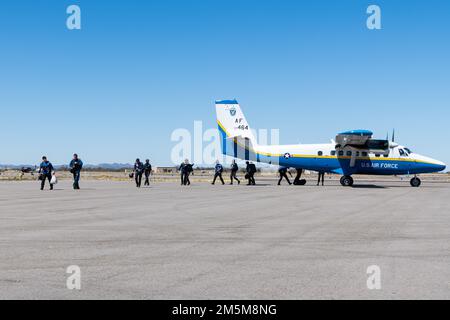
column 368, row 186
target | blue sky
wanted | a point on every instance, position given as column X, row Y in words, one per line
column 137, row 70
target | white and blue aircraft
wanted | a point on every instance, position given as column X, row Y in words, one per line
column 353, row 152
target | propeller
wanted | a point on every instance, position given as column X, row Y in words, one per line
column 392, row 143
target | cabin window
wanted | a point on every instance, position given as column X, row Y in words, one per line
column 349, row 153
column 364, row 154
column 333, row 153
column 385, row 155
column 319, row 153
column 377, row 155
column 341, row 153
column 357, row 153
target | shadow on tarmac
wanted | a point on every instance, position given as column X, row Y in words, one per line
column 368, row 186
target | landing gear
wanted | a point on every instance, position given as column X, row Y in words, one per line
column 415, row 182
column 346, row 181
column 297, row 180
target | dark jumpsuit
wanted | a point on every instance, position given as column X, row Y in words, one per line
column 182, row 172
column 283, row 174
column 234, row 170
column 138, row 171
column 218, row 173
column 321, row 176
column 251, row 170
column 46, row 169
column 75, row 168
column 187, row 169
column 147, row 171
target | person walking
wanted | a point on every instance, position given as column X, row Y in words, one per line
column 138, row 171
column 45, row 172
column 75, row 168
column 218, row 169
column 189, row 168
column 147, row 172
column 234, row 170
column 251, row 170
column 321, row 176
column 182, row 170
column 283, row 174
column 186, row 169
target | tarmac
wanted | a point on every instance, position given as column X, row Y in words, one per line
column 225, row 242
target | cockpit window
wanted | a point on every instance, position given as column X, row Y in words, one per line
column 408, row 150
column 402, row 153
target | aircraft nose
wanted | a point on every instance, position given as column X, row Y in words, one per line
column 433, row 165
column 440, row 166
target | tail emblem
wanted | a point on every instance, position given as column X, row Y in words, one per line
column 232, row 112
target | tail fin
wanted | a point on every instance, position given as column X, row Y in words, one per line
column 231, row 120
column 237, row 136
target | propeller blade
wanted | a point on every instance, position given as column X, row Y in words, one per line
column 393, row 135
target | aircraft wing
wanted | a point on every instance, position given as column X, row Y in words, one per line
column 353, row 138
column 361, row 139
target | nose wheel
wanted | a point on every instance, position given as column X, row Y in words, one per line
column 415, row 182
column 346, row 181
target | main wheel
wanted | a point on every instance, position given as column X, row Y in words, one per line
column 346, row 181
column 415, row 182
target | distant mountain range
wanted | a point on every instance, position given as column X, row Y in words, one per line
column 112, row 166
column 103, row 166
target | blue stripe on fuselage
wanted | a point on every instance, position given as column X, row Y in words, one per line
column 341, row 165
column 362, row 166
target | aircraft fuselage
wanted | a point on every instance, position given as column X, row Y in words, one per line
column 324, row 157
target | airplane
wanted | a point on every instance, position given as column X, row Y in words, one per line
column 352, row 152
column 30, row 170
